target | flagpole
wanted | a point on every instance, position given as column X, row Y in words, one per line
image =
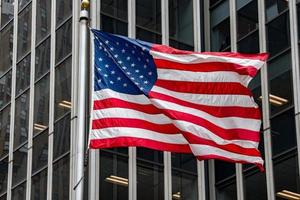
column 82, row 101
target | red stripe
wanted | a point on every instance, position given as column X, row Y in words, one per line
column 117, row 103
column 204, row 87
column 227, row 134
column 134, row 123
column 206, row 67
column 170, row 50
column 218, row 111
column 193, row 139
column 138, row 142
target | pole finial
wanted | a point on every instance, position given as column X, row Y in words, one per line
column 85, row 4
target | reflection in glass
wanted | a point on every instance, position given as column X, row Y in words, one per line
column 40, row 151
column 112, row 25
column 223, row 170
column 63, row 41
column 227, row 192
column 43, row 19
column 60, row 182
column 148, row 20
column 115, row 8
column 3, row 197
column 184, row 185
column 42, row 59
column 7, row 11
column 39, row 186
column 63, row 10
column 19, row 165
column 21, row 119
column 113, row 176
column 23, row 75
column 22, row 3
column 19, row 192
column 41, row 105
column 24, row 32
column 4, row 132
column 5, row 89
column 181, row 24
column 61, row 136
column 274, row 8
column 6, row 44
column 150, row 155
column 3, row 175
column 255, row 186
column 63, row 74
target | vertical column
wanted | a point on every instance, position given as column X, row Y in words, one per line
column 233, row 39
column 132, row 150
column 265, row 103
column 295, row 69
column 12, row 107
column 167, row 155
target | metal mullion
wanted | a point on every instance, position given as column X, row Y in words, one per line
column 0, row 14
column 5, row 73
column 12, row 107
column 5, row 106
column 24, row 7
column 265, row 103
column 63, row 22
column 295, row 70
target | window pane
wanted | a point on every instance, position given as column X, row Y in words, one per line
column 223, row 170
column 39, row 186
column 42, row 59
column 3, row 197
column 23, row 75
column 22, row 3
column 24, row 32
column 274, row 7
column 60, row 182
column 43, row 19
column 150, row 155
column 6, row 43
column 20, row 165
column 227, row 192
column 3, row 175
column 112, row 25
column 250, row 44
column 61, row 137
column 63, row 75
column 40, row 151
column 63, row 10
column 185, row 162
column 255, row 186
column 21, row 119
column 184, row 186
column 181, row 24
column 7, row 11
column 63, row 41
column 19, row 192
column 113, row 176
column 148, row 20
column 41, row 105
column 5, row 89
column 115, row 8
column 4, row 131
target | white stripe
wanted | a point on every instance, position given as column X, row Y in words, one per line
column 219, row 76
column 202, row 58
column 204, row 133
column 108, row 93
column 204, row 150
column 210, row 100
column 130, row 114
column 115, row 132
column 224, row 122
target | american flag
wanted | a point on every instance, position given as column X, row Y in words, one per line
column 155, row 96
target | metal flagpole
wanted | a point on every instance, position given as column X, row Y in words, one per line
column 82, row 101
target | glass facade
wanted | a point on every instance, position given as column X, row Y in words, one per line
column 38, row 83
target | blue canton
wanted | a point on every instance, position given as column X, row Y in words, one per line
column 122, row 64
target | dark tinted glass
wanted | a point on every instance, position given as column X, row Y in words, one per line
column 21, row 119
column 275, row 7
column 150, row 155
column 113, row 176
column 40, row 151
column 63, row 41
column 112, row 25
column 19, row 192
column 5, row 89
column 3, row 175
column 22, row 3
column 181, row 24
column 63, row 10
column 63, row 75
column 42, row 59
column 3, row 197
column 60, row 182
column 227, row 191
column 255, row 87
column 39, row 186
column 23, row 75
column 41, row 105
column 43, row 19
column 255, row 186
column 24, row 32
column 250, row 44
column 148, row 20
column 19, row 165
column 4, row 132
column 61, row 137
column 6, row 43
column 184, row 185
column 223, row 170
column 7, row 11
column 115, row 8
column 185, row 162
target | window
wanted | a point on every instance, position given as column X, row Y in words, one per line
column 39, row 186
column 60, row 182
column 61, row 136
column 63, row 41
column 5, row 89
column 4, row 131
column 43, row 19
column 7, row 12
column 23, row 75
column 274, row 8
column 19, row 192
column 42, row 59
column 6, row 43
column 63, row 11
column 40, row 151
column 3, row 175
column 19, row 165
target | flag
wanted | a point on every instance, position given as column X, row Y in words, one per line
column 158, row 97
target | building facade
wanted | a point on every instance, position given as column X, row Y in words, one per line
column 38, row 87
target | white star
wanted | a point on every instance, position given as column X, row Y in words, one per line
column 111, row 48
column 124, row 67
column 100, row 48
column 123, row 50
column 128, row 58
column 119, row 78
column 116, row 55
column 99, row 80
column 132, row 78
column 101, row 43
column 125, row 85
column 128, row 73
column 106, row 42
column 141, row 76
column 132, row 65
column 146, row 82
column 142, row 88
column 137, row 71
column 120, row 62
column 143, row 48
column 145, row 66
column 100, row 59
column 106, row 65
column 132, row 51
column 111, row 82
column 99, row 69
column 112, row 72
column 139, row 59
column 136, row 83
column 147, row 60
column 105, row 75
column 117, row 43
column 149, row 73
